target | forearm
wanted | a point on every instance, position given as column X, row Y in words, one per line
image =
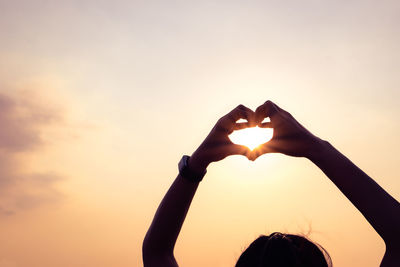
column 380, row 209
column 170, row 215
column 168, row 220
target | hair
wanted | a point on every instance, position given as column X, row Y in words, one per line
column 284, row 250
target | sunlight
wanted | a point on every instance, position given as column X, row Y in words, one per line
column 251, row 137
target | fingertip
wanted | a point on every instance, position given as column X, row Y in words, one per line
column 250, row 157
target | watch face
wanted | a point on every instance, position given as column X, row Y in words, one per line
column 183, row 163
column 187, row 173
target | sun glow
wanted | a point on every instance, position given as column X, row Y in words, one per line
column 251, row 137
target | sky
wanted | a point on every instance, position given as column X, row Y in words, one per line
column 99, row 100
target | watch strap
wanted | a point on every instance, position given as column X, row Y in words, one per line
column 186, row 172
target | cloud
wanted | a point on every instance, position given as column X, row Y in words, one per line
column 24, row 120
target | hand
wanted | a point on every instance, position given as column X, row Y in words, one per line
column 289, row 136
column 217, row 145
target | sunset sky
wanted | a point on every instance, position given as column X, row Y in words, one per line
column 99, row 100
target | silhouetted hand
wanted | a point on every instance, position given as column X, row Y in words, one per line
column 217, row 145
column 289, row 136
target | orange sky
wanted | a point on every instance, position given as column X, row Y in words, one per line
column 99, row 100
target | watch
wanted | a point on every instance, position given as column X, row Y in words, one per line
column 187, row 173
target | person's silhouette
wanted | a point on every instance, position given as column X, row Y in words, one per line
column 380, row 209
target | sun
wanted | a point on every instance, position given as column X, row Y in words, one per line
column 251, row 137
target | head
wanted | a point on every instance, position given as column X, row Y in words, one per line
column 284, row 250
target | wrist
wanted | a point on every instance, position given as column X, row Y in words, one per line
column 318, row 149
column 198, row 163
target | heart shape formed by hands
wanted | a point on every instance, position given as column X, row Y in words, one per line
column 251, row 137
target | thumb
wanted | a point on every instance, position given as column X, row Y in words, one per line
column 235, row 149
column 261, row 150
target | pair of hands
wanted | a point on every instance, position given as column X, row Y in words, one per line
column 289, row 136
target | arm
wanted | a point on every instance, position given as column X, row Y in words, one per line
column 160, row 239
column 159, row 243
column 380, row 209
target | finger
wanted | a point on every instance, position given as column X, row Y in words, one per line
column 281, row 110
column 268, row 109
column 242, row 112
column 261, row 150
column 277, row 107
column 242, row 125
column 244, row 108
column 266, row 125
column 234, row 149
column 272, row 146
column 253, row 155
